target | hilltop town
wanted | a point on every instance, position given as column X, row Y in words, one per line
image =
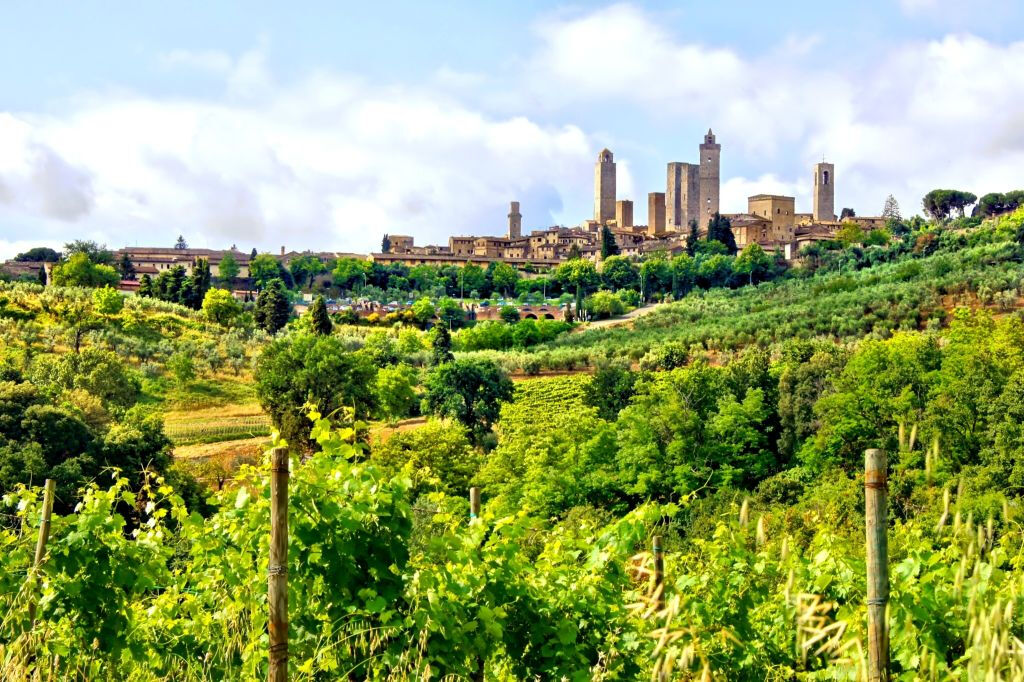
column 683, row 210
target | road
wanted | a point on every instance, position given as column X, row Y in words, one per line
column 616, row 321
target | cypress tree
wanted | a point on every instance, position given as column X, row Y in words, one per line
column 608, row 245
column 319, row 320
column 146, row 286
column 441, row 346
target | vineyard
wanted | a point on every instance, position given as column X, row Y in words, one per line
column 188, row 432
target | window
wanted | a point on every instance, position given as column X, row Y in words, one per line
column 778, row 211
column 824, row 178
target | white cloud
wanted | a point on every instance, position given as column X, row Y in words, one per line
column 919, row 115
column 327, row 162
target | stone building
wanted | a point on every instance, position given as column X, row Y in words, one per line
column 824, row 192
column 152, row 261
column 604, row 187
column 681, row 196
column 515, row 221
column 624, row 213
column 710, row 177
column 656, row 213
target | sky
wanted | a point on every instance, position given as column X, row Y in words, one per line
column 324, row 125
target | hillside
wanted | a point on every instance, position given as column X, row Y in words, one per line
column 731, row 424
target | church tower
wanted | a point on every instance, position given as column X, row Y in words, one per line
column 710, row 180
column 515, row 221
column 824, row 192
column 604, row 187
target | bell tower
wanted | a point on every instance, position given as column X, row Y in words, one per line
column 604, row 187
column 710, row 179
column 824, row 192
column 515, row 221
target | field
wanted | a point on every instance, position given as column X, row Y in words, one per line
column 730, row 427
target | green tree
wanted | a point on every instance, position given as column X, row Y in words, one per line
column 181, row 244
column 319, row 320
column 610, row 389
column 720, row 230
column 182, row 367
column 580, row 275
column 753, row 262
column 608, row 245
column 263, row 269
column 450, row 312
column 107, row 301
column 304, row 270
column 38, row 254
column 509, row 314
column 98, row 254
column 385, row 244
column 125, row 267
column 692, row 238
column 939, row 203
column 396, row 391
column 471, row 278
column 423, row 311
column 850, row 234
column 604, row 304
column 79, row 271
column 220, row 306
column 272, row 307
column 228, row 269
column 440, row 346
column 349, row 273
column 891, row 210
column 305, row 369
column 504, row 277
column 618, row 273
column 438, row 454
column 469, row 391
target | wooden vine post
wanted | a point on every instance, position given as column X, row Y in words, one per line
column 659, row 571
column 277, row 570
column 474, row 513
column 877, row 527
column 44, row 536
column 474, row 503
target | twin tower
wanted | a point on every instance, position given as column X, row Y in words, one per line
column 691, row 194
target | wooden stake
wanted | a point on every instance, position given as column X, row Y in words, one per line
column 277, row 571
column 474, row 513
column 877, row 526
column 659, row 571
column 474, row 503
column 44, row 536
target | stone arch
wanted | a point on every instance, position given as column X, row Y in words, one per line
column 530, row 316
column 548, row 316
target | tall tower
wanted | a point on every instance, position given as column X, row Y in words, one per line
column 624, row 214
column 681, row 195
column 824, row 192
column 604, row 187
column 515, row 221
column 656, row 213
column 710, row 180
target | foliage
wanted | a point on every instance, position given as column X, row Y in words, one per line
column 305, row 368
column 608, row 245
column 396, row 391
column 107, row 301
column 79, row 271
column 319, row 320
column 272, row 307
column 939, row 203
column 220, row 306
column 469, row 391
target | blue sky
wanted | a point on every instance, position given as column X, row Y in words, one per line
column 324, row 125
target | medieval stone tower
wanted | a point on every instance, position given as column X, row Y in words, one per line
column 824, row 192
column 515, row 221
column 604, row 187
column 681, row 195
column 710, row 156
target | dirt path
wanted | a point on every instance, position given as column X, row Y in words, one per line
column 624, row 319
